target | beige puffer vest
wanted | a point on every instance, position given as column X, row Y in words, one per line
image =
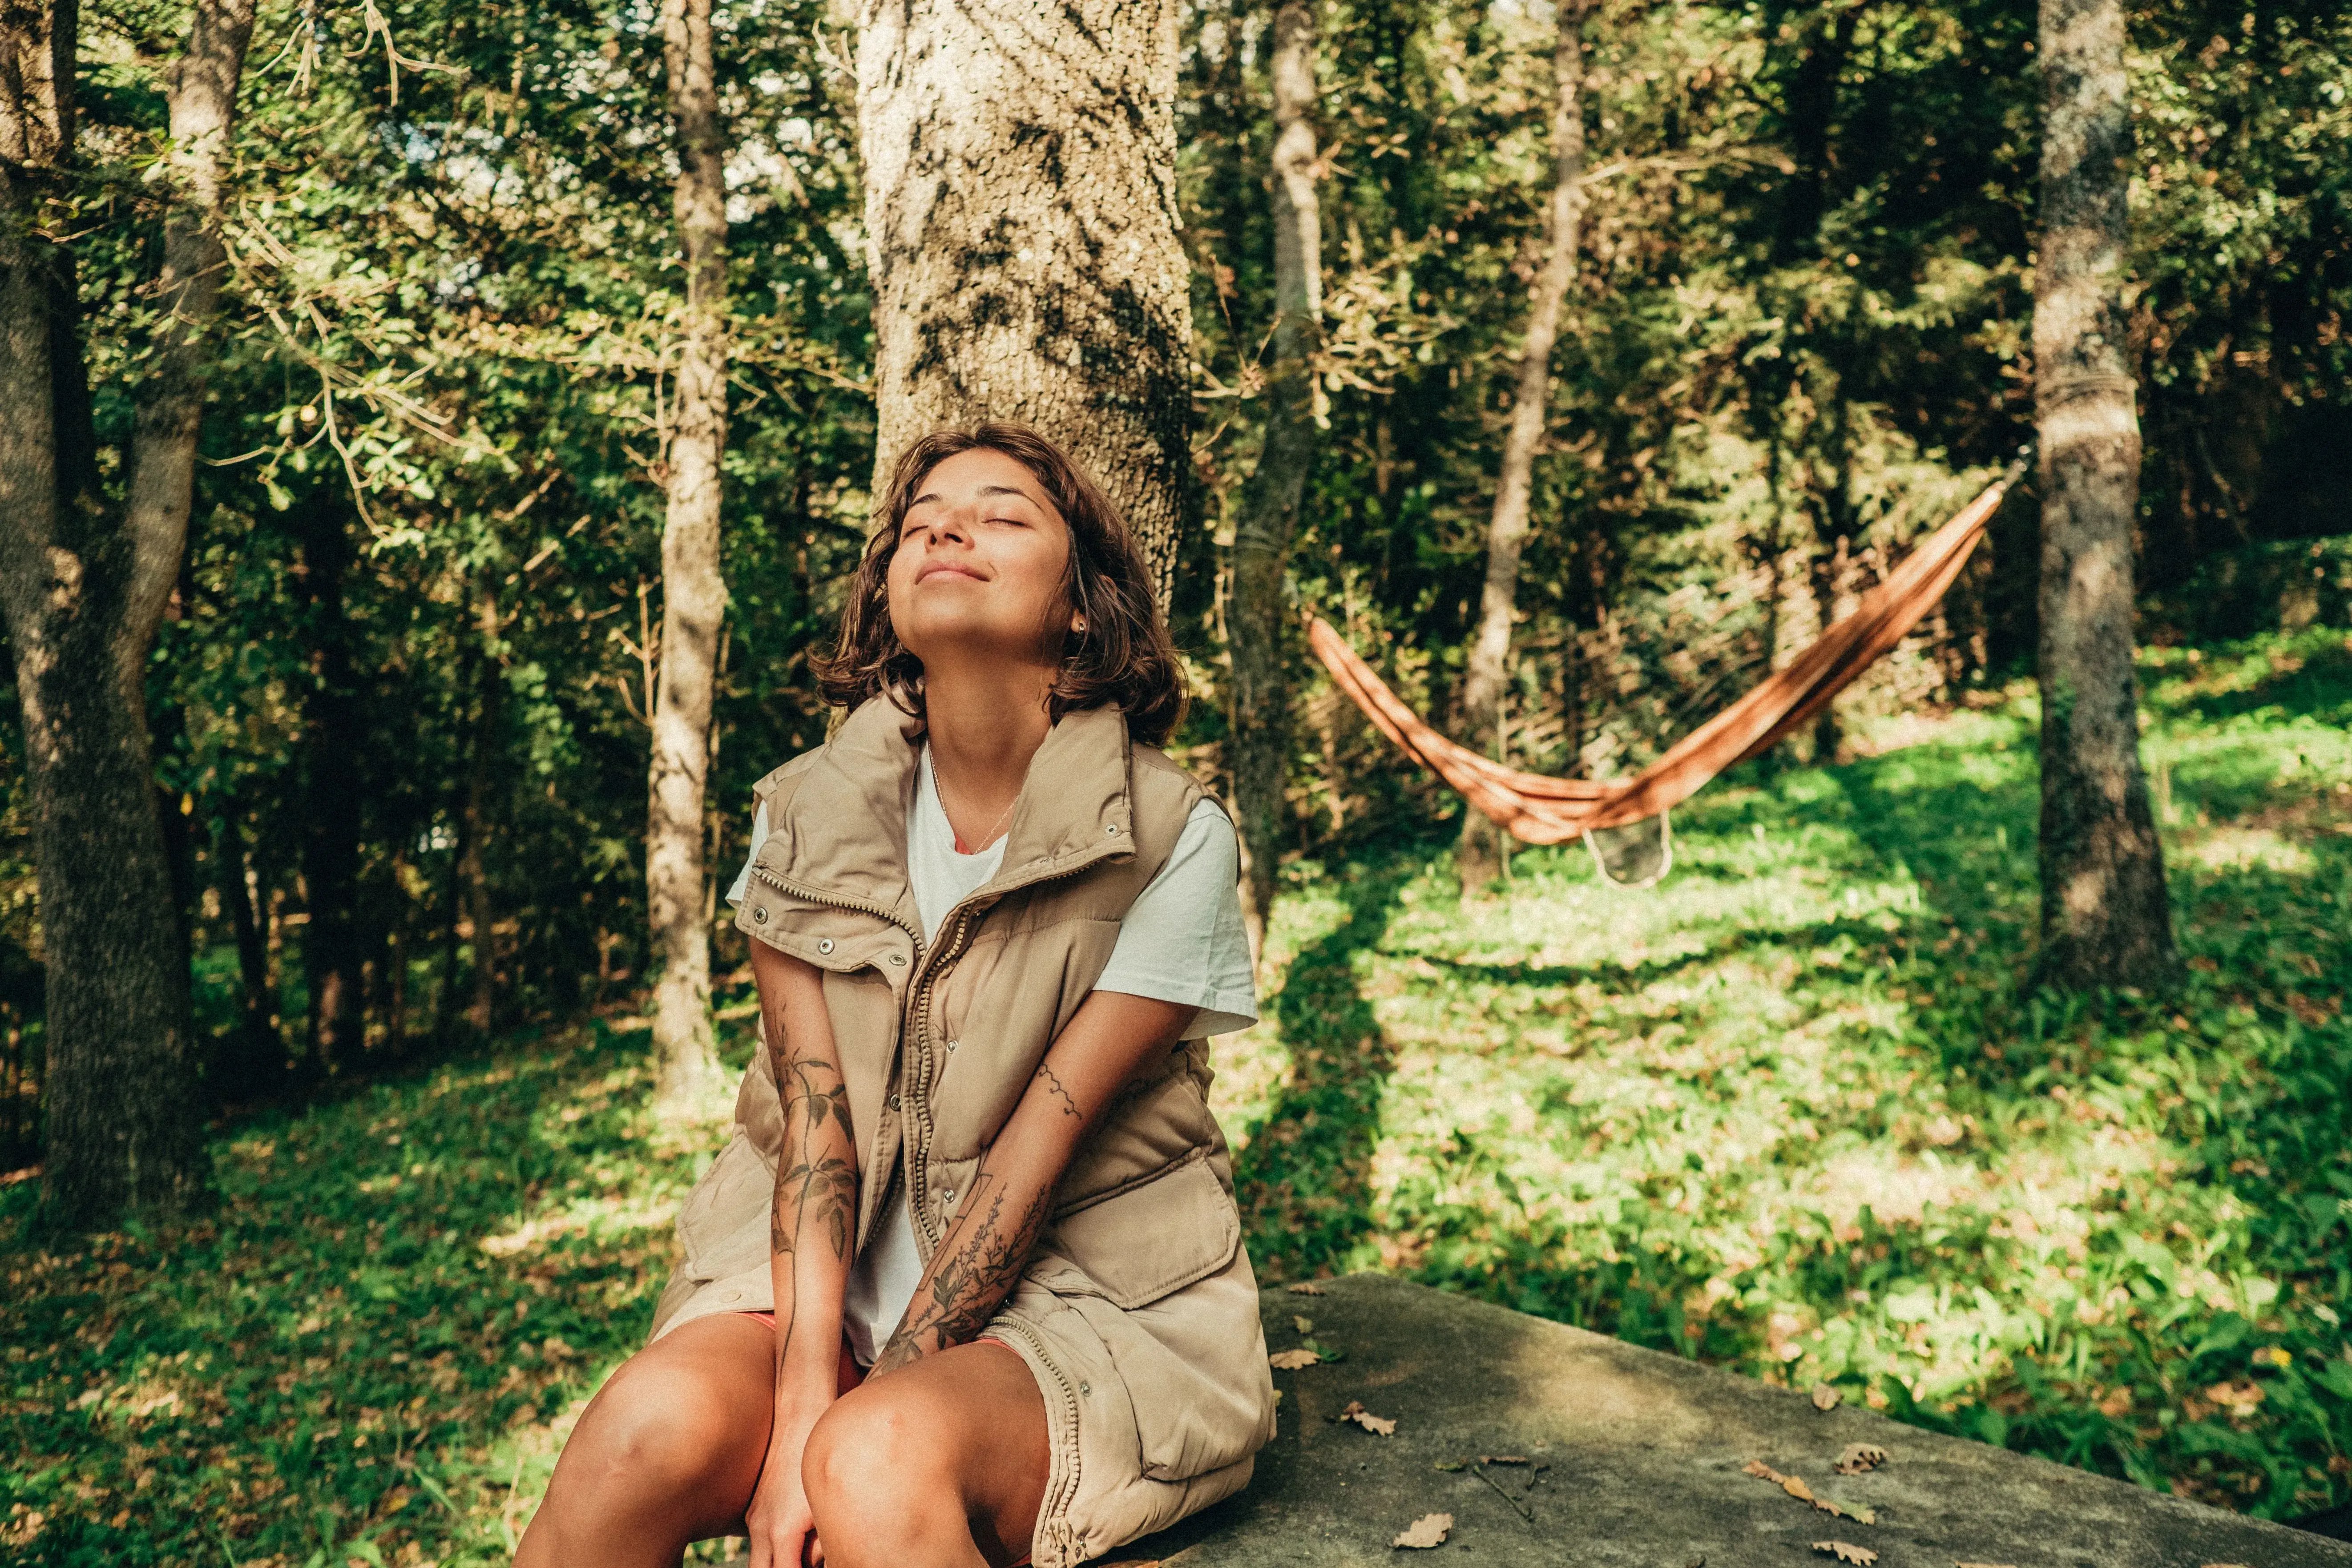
column 1137, row 1313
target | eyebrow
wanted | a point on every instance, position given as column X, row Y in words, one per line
column 984, row 490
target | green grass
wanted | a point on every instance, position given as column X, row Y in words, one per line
column 371, row 1352
column 1795, row 1111
column 1792, row 1112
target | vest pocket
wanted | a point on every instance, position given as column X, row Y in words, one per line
column 723, row 1227
column 1142, row 1240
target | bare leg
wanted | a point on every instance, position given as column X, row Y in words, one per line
column 666, row 1453
column 939, row 1465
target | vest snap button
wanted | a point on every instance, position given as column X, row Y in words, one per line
column 1085, row 1388
column 893, row 1102
column 824, row 944
column 758, row 914
column 1112, row 827
column 952, row 1044
column 898, row 958
column 948, row 1196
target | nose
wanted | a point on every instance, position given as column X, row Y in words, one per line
column 946, row 523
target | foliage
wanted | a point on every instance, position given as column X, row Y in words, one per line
column 1793, row 1113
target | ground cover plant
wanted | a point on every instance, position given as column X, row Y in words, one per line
column 1796, row 1112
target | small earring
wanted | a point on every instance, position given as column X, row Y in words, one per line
column 1079, row 625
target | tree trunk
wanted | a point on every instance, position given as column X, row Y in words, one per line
column 336, row 738
column 252, row 1060
column 2104, row 921
column 1478, row 854
column 694, row 596
column 474, row 823
column 1021, row 221
column 1256, row 616
column 82, row 585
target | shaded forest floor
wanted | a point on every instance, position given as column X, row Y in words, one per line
column 1793, row 1113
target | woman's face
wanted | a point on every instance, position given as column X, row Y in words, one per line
column 978, row 573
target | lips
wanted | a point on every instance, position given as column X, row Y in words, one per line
column 937, row 567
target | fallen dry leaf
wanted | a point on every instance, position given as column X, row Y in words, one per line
column 1825, row 1396
column 1502, row 1459
column 1427, row 1531
column 1845, row 1552
column 1796, row 1488
column 1304, row 1288
column 1378, row 1426
column 1304, row 1325
column 1291, row 1361
column 1859, row 1458
column 1984, row 1565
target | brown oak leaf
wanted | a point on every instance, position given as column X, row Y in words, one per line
column 1428, row 1530
column 1796, row 1488
column 1304, row 1325
column 1291, row 1361
column 1304, row 1288
column 1378, row 1426
column 1845, row 1552
column 1825, row 1396
column 1859, row 1458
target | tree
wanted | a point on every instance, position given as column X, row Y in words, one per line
column 84, row 579
column 1020, row 236
column 1254, row 621
column 2104, row 921
column 694, row 595
column 1507, row 527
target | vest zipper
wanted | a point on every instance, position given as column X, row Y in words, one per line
column 917, row 1148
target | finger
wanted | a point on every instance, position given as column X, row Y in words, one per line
column 761, row 1554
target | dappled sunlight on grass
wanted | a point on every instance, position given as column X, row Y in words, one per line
column 372, row 1351
column 1796, row 1112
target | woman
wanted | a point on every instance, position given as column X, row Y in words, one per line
column 970, row 1288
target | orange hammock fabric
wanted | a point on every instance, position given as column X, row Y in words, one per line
column 1539, row 810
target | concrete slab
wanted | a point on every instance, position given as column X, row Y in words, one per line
column 1646, row 1456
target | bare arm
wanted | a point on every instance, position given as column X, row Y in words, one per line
column 812, row 1226
column 988, row 1243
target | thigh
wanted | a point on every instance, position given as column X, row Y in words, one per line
column 971, row 1419
column 676, row 1438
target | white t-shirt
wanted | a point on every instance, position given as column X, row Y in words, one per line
column 1182, row 941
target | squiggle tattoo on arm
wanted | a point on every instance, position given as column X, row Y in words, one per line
column 1054, row 1087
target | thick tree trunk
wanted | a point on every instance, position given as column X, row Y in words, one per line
column 82, row 585
column 1021, row 219
column 694, row 596
column 1256, row 616
column 1478, row 854
column 336, row 738
column 2104, row 921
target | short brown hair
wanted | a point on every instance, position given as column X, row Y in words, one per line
column 1124, row 658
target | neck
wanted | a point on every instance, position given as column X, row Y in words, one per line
column 984, row 728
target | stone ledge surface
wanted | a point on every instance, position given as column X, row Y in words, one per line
column 1646, row 1454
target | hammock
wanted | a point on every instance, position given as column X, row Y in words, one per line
column 1536, row 809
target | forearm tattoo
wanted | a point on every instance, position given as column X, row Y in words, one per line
column 976, row 1267
column 1052, row 1083
column 817, row 1181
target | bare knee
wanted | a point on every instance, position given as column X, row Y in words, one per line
column 880, row 1484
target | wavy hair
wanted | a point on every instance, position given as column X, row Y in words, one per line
column 1124, row 658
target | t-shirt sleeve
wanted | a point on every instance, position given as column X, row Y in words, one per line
column 1183, row 940
column 742, row 882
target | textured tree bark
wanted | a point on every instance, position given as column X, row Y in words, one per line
column 1478, row 856
column 2105, row 920
column 82, row 583
column 1256, row 616
column 1020, row 159
column 694, row 596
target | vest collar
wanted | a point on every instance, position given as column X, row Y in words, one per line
column 847, row 822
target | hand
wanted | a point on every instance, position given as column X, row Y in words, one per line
column 783, row 1531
